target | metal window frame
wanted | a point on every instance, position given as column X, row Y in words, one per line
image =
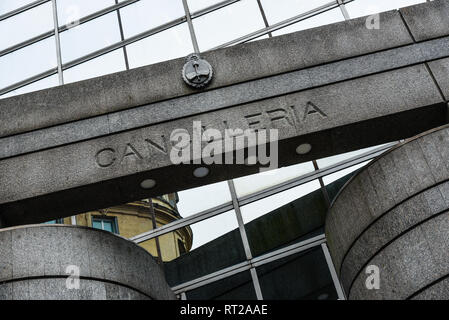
column 259, row 195
column 248, row 264
column 251, row 263
column 148, row 33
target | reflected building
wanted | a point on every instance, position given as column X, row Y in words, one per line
column 135, row 218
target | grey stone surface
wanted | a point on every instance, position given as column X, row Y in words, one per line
column 231, row 65
column 427, row 20
column 55, row 289
column 394, row 214
column 440, row 69
column 438, row 291
column 408, row 264
column 209, row 101
column 398, row 96
column 34, row 261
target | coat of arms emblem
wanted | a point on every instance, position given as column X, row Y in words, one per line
column 197, row 72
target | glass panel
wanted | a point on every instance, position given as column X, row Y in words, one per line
column 285, row 218
column 237, row 287
column 277, row 11
column 195, row 200
column 302, row 276
column 256, row 182
column 321, row 19
column 26, row 25
column 259, row 208
column 50, row 222
column 105, row 64
column 216, row 245
column 329, row 161
column 362, row 8
column 107, row 225
column 97, row 224
column 70, row 11
column 227, row 24
column 195, row 5
column 169, row 44
column 10, row 5
column 339, row 174
column 28, row 62
column 145, row 15
column 89, row 37
column 48, row 82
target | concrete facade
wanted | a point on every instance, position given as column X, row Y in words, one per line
column 349, row 88
column 394, row 214
column 35, row 258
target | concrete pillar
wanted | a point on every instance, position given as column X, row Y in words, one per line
column 73, row 262
column 394, row 216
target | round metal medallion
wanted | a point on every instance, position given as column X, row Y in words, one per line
column 197, row 72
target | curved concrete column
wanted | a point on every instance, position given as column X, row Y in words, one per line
column 37, row 260
column 394, row 214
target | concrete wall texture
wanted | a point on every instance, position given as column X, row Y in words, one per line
column 34, row 261
column 394, row 214
column 71, row 143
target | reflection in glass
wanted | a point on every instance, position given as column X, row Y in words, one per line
column 339, row 174
column 169, row 44
column 89, row 37
column 237, row 287
column 195, row 5
column 70, row 11
column 277, row 11
column 259, row 208
column 302, row 276
column 27, row 62
column 360, row 8
column 48, row 82
column 321, row 19
column 105, row 64
column 26, row 25
column 10, row 5
column 256, row 182
column 228, row 23
column 217, row 244
column 329, row 161
column 195, row 200
column 145, row 15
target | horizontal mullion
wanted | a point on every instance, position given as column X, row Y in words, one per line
column 30, row 80
column 212, row 277
column 99, row 13
column 280, row 25
column 201, row 216
column 312, row 176
column 256, row 262
column 22, row 9
column 212, row 8
column 27, row 43
column 63, row 28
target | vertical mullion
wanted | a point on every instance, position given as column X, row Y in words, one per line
column 244, row 239
column 342, row 6
column 323, row 187
column 191, row 29
column 330, row 265
column 58, row 42
column 264, row 17
column 122, row 36
column 153, row 219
